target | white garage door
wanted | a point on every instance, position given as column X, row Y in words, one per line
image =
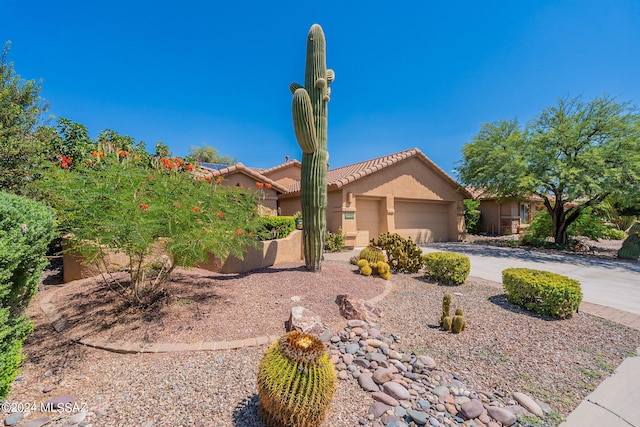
column 422, row 221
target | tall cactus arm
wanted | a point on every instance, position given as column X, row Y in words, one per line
column 303, row 121
column 293, row 87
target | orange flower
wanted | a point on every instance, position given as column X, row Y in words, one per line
column 195, row 209
column 250, row 234
column 123, row 153
column 239, row 231
column 268, row 185
column 65, row 162
column 189, row 168
column 98, row 154
column 220, row 214
column 138, row 158
column 207, row 178
column 144, row 206
column 219, row 180
column 260, row 185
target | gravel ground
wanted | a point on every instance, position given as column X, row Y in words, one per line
column 503, row 349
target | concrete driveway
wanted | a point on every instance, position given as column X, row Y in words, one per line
column 613, row 284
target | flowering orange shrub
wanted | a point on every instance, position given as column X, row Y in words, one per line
column 144, row 206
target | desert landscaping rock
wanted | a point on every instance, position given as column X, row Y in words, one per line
column 13, row 419
column 411, row 390
column 529, row 404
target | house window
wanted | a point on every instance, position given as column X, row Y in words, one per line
column 524, row 213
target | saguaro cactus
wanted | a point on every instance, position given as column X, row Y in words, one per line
column 310, row 126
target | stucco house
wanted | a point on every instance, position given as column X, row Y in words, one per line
column 506, row 216
column 242, row 176
column 404, row 193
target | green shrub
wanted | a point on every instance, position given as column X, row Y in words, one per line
column 276, row 227
column 447, row 267
column 472, row 215
column 120, row 202
column 372, row 254
column 587, row 225
column 543, row 292
column 403, row 255
column 614, row 234
column 334, row 242
column 26, row 229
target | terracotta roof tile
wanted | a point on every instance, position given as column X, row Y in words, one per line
column 239, row 167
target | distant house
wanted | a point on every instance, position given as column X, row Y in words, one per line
column 404, row 193
column 239, row 175
column 504, row 217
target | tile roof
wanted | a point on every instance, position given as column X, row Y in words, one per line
column 284, row 165
column 339, row 177
column 239, row 167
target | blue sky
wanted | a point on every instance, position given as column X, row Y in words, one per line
column 409, row 74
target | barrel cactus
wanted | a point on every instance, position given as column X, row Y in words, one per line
column 458, row 323
column 296, row 381
column 446, row 308
column 373, row 254
column 310, row 126
column 631, row 246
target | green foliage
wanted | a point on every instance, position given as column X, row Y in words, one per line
column 334, row 241
column 631, row 246
column 614, row 234
column 120, row 203
column 403, row 255
column 587, row 224
column 208, row 154
column 296, row 382
column 21, row 148
column 447, row 267
column 71, row 140
column 471, row 215
column 543, row 292
column 276, row 227
column 372, row 253
column 577, row 151
column 310, row 125
column 26, row 229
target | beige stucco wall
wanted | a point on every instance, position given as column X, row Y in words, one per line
column 285, row 176
column 502, row 218
column 268, row 253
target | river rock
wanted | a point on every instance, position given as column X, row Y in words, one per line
column 529, row 404
column 367, row 383
column 384, row 398
column 501, row 415
column 382, row 375
column 471, row 409
column 395, row 390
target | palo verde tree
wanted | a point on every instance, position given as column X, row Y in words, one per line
column 208, row 154
column 573, row 155
column 20, row 110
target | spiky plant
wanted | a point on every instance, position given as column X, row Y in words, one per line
column 631, row 246
column 296, row 381
column 310, row 126
column 372, row 253
column 446, row 308
column 458, row 322
column 366, row 270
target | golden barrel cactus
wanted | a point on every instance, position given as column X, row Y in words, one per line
column 296, row 381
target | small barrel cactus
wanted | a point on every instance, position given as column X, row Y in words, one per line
column 458, row 322
column 296, row 382
column 366, row 270
column 446, row 323
column 384, row 270
column 373, row 254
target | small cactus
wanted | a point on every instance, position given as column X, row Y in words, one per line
column 366, row 270
column 458, row 323
column 446, row 323
column 354, row 260
column 446, row 307
column 362, row 262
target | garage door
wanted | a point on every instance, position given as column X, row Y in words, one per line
column 367, row 220
column 422, row 221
